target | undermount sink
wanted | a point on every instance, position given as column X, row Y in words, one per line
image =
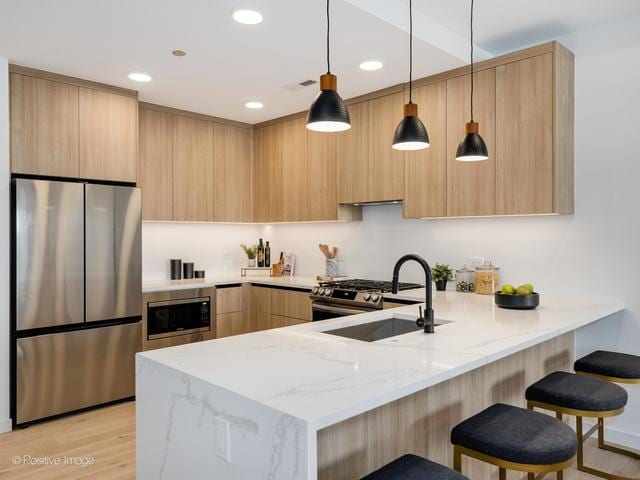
column 380, row 329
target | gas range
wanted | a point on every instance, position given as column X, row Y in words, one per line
column 349, row 297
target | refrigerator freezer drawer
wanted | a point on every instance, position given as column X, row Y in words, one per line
column 49, row 259
column 114, row 252
column 68, row 371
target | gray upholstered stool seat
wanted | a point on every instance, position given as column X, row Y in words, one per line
column 413, row 467
column 610, row 364
column 517, row 435
column 572, row 391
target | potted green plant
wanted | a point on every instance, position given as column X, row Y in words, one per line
column 250, row 251
column 441, row 274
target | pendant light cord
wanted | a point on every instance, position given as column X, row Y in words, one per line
column 328, row 27
column 410, row 50
column 472, row 60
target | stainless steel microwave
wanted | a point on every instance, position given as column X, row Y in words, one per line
column 177, row 317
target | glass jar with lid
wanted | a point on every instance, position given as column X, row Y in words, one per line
column 465, row 279
column 487, row 278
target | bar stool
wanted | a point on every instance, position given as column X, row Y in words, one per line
column 516, row 439
column 413, row 467
column 613, row 367
column 571, row 394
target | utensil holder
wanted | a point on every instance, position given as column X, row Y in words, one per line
column 332, row 269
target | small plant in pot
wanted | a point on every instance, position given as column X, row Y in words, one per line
column 250, row 251
column 441, row 274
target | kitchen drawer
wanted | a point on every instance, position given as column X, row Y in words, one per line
column 229, row 299
column 291, row 303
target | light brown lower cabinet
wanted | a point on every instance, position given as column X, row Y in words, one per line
column 277, row 307
column 231, row 312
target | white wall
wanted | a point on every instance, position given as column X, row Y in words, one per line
column 212, row 247
column 594, row 252
column 5, row 421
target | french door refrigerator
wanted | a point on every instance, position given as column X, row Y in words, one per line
column 76, row 295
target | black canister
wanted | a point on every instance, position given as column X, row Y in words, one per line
column 176, row 269
column 199, row 274
column 187, row 270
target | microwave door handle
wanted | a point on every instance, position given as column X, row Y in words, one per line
column 320, row 307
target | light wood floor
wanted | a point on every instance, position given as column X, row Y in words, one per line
column 108, row 436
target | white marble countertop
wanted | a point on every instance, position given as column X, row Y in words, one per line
column 322, row 379
column 304, row 282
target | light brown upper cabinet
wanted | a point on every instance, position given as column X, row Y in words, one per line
column 108, row 135
column 232, row 173
column 524, row 136
column 67, row 127
column 267, row 181
column 294, row 170
column 386, row 164
column 426, row 170
column 44, row 127
column 369, row 170
column 471, row 188
column 322, row 200
column 155, row 175
column 353, row 156
column 192, row 169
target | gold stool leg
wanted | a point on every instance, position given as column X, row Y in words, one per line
column 560, row 475
column 613, row 448
column 531, row 476
column 502, row 474
column 581, row 439
column 457, row 460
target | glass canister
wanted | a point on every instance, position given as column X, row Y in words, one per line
column 465, row 279
column 487, row 279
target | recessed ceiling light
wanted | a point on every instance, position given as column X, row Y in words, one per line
column 140, row 76
column 179, row 53
column 254, row 104
column 247, row 17
column 371, row 65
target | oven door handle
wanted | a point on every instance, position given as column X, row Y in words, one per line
column 322, row 307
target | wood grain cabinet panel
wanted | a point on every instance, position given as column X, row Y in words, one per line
column 471, row 187
column 44, row 127
column 426, row 170
column 230, row 299
column 155, row 175
column 192, row 169
column 386, row 164
column 259, row 308
column 321, row 184
column 353, row 156
column 524, row 136
column 232, row 173
column 232, row 323
column 108, row 135
column 291, row 303
column 294, row 170
column 268, row 173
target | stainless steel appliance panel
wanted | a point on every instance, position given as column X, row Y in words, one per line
column 113, row 252
column 62, row 372
column 49, row 257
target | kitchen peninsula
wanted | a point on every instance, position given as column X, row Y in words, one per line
column 298, row 403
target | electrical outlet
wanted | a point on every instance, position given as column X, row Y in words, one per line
column 223, row 438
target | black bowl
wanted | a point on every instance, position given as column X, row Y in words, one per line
column 517, row 302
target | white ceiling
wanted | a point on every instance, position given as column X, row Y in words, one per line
column 228, row 63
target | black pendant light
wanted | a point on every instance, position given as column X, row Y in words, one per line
column 411, row 133
column 472, row 147
column 328, row 113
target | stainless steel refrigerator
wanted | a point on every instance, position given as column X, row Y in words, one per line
column 77, row 295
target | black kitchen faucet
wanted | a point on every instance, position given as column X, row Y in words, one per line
column 428, row 321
